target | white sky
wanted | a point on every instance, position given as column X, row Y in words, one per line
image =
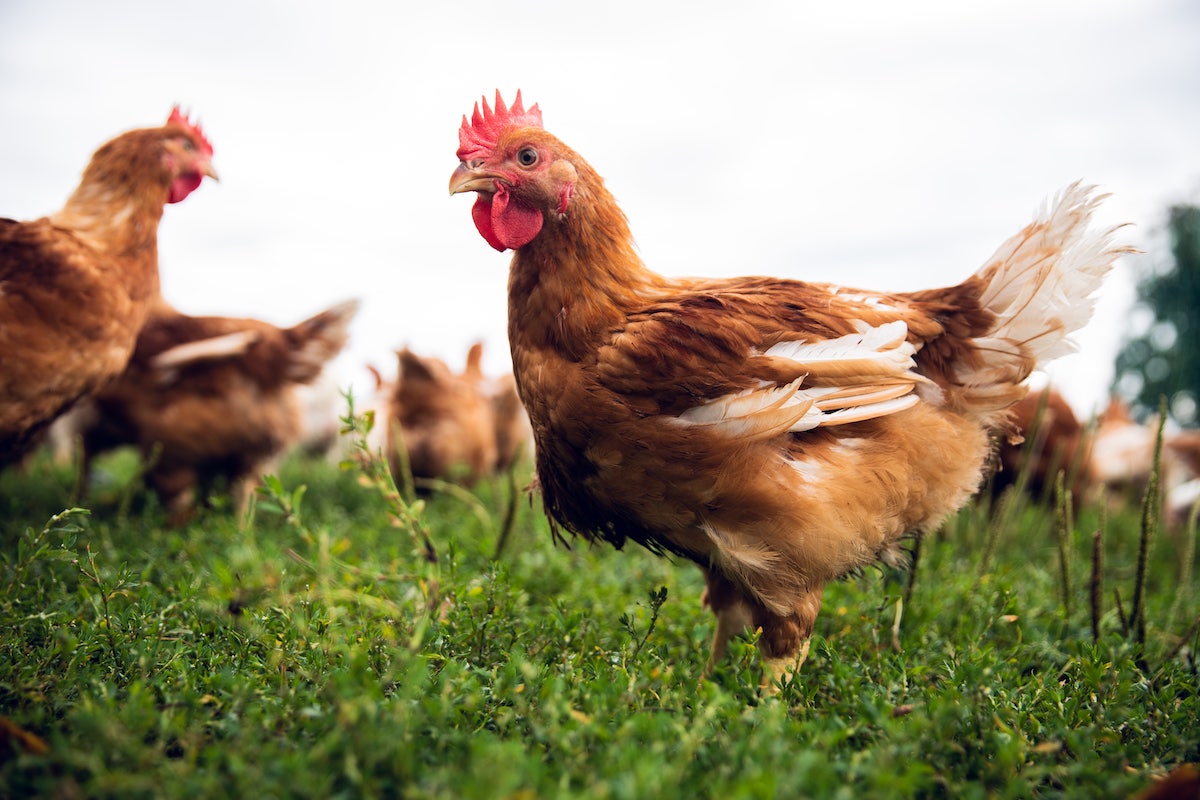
column 881, row 145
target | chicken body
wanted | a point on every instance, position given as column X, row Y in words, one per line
column 1055, row 442
column 211, row 397
column 75, row 287
column 451, row 426
column 778, row 433
column 511, row 423
column 1122, row 458
column 440, row 422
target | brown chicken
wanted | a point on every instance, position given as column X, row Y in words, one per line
column 440, row 421
column 778, row 433
column 1183, row 493
column 1122, row 452
column 1185, row 446
column 513, row 436
column 75, row 286
column 211, row 397
column 1122, row 460
column 1054, row 441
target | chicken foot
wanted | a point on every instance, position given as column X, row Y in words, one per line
column 783, row 639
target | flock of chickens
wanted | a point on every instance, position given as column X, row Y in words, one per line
column 777, row 433
column 1112, row 458
column 89, row 345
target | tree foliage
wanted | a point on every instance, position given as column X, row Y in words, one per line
column 1164, row 359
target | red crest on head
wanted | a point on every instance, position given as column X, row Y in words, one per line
column 478, row 136
column 179, row 118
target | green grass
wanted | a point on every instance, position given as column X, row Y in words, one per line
column 318, row 651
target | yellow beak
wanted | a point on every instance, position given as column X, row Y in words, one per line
column 468, row 179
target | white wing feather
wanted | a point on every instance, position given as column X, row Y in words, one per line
column 852, row 378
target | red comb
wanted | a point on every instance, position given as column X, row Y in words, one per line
column 177, row 117
column 483, row 131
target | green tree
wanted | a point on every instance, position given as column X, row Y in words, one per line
column 1165, row 359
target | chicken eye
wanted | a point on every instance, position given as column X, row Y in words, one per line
column 527, row 156
column 188, row 145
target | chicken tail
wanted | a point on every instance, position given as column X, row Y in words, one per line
column 318, row 339
column 1037, row 289
column 1040, row 283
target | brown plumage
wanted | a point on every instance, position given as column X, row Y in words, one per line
column 1185, row 446
column 211, row 397
column 440, row 421
column 1181, row 783
column 1122, row 452
column 75, row 286
column 1122, row 460
column 1183, row 487
column 1054, row 440
column 778, row 433
column 513, row 436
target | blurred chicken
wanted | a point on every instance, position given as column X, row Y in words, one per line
column 1122, row 454
column 1184, row 447
column 1181, row 502
column 1054, row 440
column 440, row 422
column 211, row 397
column 1182, row 450
column 75, row 286
column 1122, row 458
column 778, row 433
column 1182, row 783
column 513, row 434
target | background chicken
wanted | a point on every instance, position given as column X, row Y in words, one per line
column 1109, row 462
column 1121, row 460
column 75, row 286
column 440, row 422
column 1054, row 440
column 211, row 397
column 1122, row 453
column 513, row 435
column 1183, row 493
column 778, row 433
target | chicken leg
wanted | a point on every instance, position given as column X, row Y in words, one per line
column 783, row 639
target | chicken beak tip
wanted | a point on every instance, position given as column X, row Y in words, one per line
column 469, row 179
column 459, row 178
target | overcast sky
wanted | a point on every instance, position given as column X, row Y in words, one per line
column 881, row 145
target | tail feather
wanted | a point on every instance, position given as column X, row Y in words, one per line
column 1039, row 287
column 1040, row 283
column 318, row 339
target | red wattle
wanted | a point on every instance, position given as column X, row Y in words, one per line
column 481, row 212
column 184, row 185
column 505, row 225
column 514, row 224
